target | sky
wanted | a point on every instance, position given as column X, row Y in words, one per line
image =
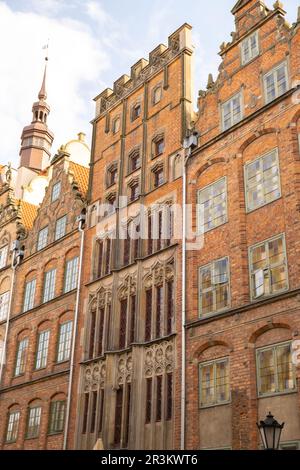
column 91, row 44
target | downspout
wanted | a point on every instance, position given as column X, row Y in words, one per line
column 17, row 256
column 81, row 220
column 189, row 144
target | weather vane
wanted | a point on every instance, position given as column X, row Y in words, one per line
column 46, row 48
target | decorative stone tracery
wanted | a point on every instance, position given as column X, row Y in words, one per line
column 159, row 359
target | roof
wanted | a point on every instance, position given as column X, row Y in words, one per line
column 81, row 176
column 28, row 213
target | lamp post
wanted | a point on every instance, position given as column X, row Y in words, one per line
column 270, row 432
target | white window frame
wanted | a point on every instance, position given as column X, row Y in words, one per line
column 42, row 238
column 29, row 294
column 213, row 363
column 13, row 426
column 42, row 350
column 273, row 71
column 273, row 347
column 230, row 101
column 64, row 341
column 201, row 228
column 21, row 357
column 252, row 52
column 4, row 305
column 266, row 272
column 200, row 289
column 71, row 274
column 3, row 256
column 33, row 422
column 56, row 190
column 60, row 227
column 49, row 285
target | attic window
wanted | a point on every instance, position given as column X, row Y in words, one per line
column 249, row 48
column 56, row 191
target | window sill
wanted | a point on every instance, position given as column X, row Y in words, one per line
column 54, row 433
column 213, row 314
column 224, row 403
column 277, row 394
column 250, row 211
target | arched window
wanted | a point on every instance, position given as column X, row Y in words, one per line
column 13, row 421
column 57, row 414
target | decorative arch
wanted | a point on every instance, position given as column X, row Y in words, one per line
column 256, row 135
column 263, row 329
column 211, row 344
column 209, row 164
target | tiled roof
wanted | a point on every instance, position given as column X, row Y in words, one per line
column 81, row 176
column 28, row 213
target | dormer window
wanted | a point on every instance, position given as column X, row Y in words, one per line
column 55, row 191
column 136, row 112
column 249, row 48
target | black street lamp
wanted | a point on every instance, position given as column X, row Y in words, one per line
column 270, row 432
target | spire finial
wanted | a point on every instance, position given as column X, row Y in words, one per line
column 43, row 93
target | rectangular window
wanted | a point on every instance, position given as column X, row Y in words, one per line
column 21, row 357
column 49, row 285
column 148, row 400
column 158, row 177
column 29, row 295
column 13, row 426
column 64, row 341
column 3, row 256
column 127, row 417
column 42, row 349
column 42, row 238
column 276, row 82
column 170, row 306
column 101, row 331
column 212, row 206
column 249, row 48
column 214, row 383
column 150, row 240
column 55, row 191
column 158, row 397
column 92, row 334
column 123, row 324
column 148, row 318
column 262, row 181
column 159, row 310
column 118, row 415
column 85, row 412
column 100, row 258
column 34, row 421
column 275, row 370
column 169, row 410
column 71, row 274
column 94, row 411
column 232, row 111
column 132, row 319
column 107, row 257
column 57, row 416
column 101, row 409
column 60, row 227
column 4, row 304
column 214, row 286
column 268, row 268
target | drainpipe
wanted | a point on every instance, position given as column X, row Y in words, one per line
column 16, row 260
column 81, row 219
column 189, row 144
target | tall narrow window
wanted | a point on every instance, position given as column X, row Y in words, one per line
column 60, row 227
column 159, row 146
column 134, row 192
column 42, row 349
column 134, row 161
column 127, row 416
column 126, row 249
column 118, row 415
column 214, row 286
column 148, row 400
column 212, row 206
column 268, row 268
column 57, row 416
column 49, row 285
column 4, row 304
column 116, row 125
column 3, row 256
column 148, row 317
column 21, row 357
column 160, row 230
column 92, row 334
column 158, row 397
column 13, row 426
column 64, row 341
column 94, row 411
column 249, row 48
column 276, row 82
column 85, row 412
column 169, row 407
column 101, row 409
column 275, row 370
column 123, row 324
column 158, row 175
column 71, row 274
column 159, row 310
column 150, row 240
column 56, row 191
column 101, row 331
column 42, row 238
column 262, row 180
column 132, row 319
column 214, row 382
column 170, row 306
column 29, row 295
column 232, row 112
column 34, row 421
column 100, row 257
column 107, row 256
column 112, row 175
column 136, row 112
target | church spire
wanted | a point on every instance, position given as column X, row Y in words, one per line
column 37, row 138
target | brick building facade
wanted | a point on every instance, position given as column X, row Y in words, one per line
column 120, row 383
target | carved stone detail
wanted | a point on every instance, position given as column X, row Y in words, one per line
column 124, row 369
column 159, row 359
column 94, row 376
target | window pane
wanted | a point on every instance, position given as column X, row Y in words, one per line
column 42, row 351
column 64, row 342
column 207, row 385
column 13, row 426
column 213, row 205
column 4, row 304
column 267, row 372
column 29, row 295
column 3, row 256
column 56, row 191
column 60, row 228
column 42, row 238
column 259, row 257
column 285, row 368
column 222, row 382
column 21, row 357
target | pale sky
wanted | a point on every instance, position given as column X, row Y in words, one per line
column 92, row 43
